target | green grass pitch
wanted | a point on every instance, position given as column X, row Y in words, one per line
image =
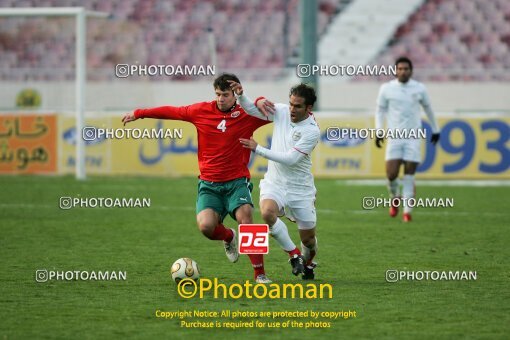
column 356, row 247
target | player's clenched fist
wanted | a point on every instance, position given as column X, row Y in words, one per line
column 128, row 117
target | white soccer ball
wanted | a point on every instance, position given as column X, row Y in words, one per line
column 185, row 268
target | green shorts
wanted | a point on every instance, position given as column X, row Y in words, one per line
column 224, row 197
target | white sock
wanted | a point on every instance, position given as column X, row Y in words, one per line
column 281, row 234
column 408, row 190
column 307, row 252
column 394, row 187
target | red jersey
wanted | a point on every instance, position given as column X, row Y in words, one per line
column 221, row 157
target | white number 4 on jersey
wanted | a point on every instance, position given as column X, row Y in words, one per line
column 222, row 125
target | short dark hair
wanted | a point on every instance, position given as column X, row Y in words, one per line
column 304, row 91
column 404, row 60
column 221, row 82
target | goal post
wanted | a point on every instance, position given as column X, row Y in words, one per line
column 80, row 14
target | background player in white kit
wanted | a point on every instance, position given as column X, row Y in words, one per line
column 288, row 186
column 400, row 101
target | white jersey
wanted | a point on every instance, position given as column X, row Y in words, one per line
column 401, row 103
column 301, row 137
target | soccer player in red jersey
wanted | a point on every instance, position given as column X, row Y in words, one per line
column 224, row 181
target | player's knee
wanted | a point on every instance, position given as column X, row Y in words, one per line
column 392, row 175
column 308, row 240
column 269, row 216
column 207, row 227
column 410, row 171
column 244, row 214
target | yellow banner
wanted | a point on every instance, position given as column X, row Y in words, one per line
column 28, row 144
column 98, row 156
column 128, row 155
column 469, row 148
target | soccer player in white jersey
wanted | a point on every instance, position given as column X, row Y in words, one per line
column 288, row 186
column 399, row 100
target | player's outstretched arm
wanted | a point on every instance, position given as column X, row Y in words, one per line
column 262, row 108
column 162, row 112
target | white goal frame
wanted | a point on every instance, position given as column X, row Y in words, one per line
column 80, row 14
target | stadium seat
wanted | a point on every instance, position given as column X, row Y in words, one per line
column 451, row 40
column 177, row 35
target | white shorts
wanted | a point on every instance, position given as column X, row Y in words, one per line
column 408, row 150
column 300, row 210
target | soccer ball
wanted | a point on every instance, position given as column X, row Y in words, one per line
column 185, row 268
